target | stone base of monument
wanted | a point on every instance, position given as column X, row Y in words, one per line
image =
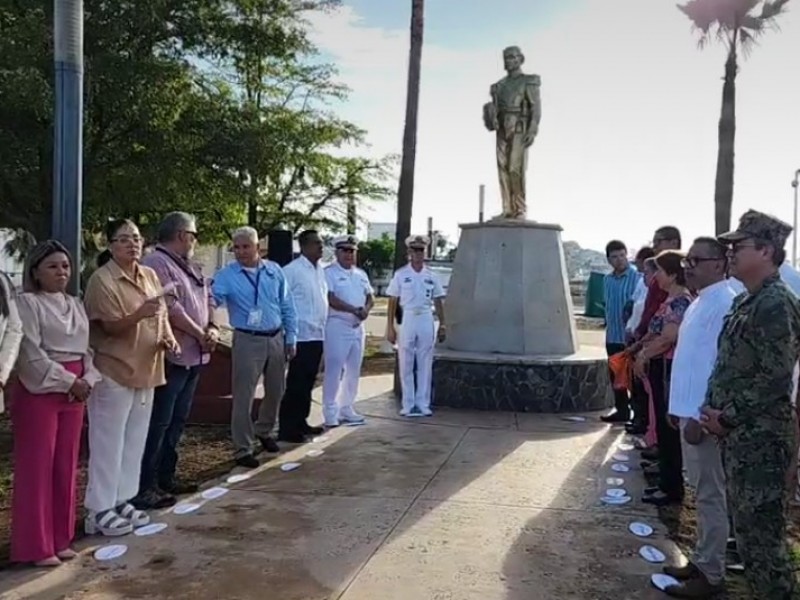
column 511, row 341
column 538, row 384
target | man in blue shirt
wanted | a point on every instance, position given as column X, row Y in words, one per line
column 618, row 289
column 262, row 314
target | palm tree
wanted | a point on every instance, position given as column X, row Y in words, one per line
column 405, row 192
column 737, row 24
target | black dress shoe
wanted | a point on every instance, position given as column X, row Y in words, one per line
column 312, row 430
column 248, row 461
column 649, row 454
column 635, row 429
column 291, row 438
column 660, row 499
column 152, row 500
column 615, row 417
column 179, row 488
column 269, row 445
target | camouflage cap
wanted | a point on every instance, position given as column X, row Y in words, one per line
column 760, row 226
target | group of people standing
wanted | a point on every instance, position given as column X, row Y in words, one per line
column 131, row 353
column 712, row 339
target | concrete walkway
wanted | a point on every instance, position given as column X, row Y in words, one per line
column 462, row 506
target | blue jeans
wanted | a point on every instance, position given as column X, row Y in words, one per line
column 172, row 403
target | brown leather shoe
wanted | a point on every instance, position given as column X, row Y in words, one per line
column 682, row 573
column 697, row 587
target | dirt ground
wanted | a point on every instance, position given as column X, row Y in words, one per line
column 205, row 452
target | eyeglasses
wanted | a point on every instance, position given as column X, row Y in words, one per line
column 127, row 239
column 693, row 261
column 736, row 247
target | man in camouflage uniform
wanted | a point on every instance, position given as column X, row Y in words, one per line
column 748, row 404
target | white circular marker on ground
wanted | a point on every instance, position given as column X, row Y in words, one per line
column 238, row 478
column 315, row 453
column 110, row 552
column 625, row 447
column 214, row 493
column 286, row 467
column 185, row 508
column 616, row 493
column 620, row 468
column 615, row 500
column 151, row 529
column 652, row 554
column 574, row 419
column 640, row 529
column 621, row 457
column 320, row 439
column 662, row 581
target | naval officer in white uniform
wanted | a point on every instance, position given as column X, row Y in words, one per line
column 418, row 291
column 350, row 297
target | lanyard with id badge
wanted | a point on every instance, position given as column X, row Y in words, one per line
column 254, row 316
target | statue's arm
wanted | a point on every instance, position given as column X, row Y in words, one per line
column 534, row 97
column 490, row 110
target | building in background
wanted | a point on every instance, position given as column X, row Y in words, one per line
column 376, row 231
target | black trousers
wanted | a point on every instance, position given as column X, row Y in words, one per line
column 640, row 403
column 621, row 400
column 296, row 403
column 670, row 458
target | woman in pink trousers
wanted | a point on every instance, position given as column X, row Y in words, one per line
column 56, row 375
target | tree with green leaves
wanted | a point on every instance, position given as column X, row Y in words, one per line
column 737, row 24
column 376, row 256
column 215, row 107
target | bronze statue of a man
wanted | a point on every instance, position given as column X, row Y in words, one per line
column 514, row 113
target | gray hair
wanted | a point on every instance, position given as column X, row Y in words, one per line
column 35, row 257
column 173, row 224
column 245, row 232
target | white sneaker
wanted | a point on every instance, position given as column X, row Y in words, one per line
column 331, row 424
column 107, row 523
column 427, row 412
column 405, row 412
column 137, row 518
column 351, row 417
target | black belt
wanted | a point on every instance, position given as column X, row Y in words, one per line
column 272, row 333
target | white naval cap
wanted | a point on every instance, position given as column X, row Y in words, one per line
column 418, row 241
column 345, row 241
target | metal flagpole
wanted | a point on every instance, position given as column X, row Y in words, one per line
column 68, row 135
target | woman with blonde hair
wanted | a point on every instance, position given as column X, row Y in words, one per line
column 56, row 375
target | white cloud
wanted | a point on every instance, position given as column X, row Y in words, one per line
column 628, row 136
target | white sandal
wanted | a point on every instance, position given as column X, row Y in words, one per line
column 107, row 523
column 137, row 518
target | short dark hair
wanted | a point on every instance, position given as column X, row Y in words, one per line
column 716, row 248
column 306, row 236
column 114, row 225
column 645, row 253
column 615, row 246
column 670, row 261
column 778, row 254
column 669, row 232
column 650, row 263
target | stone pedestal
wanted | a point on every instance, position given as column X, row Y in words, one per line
column 511, row 337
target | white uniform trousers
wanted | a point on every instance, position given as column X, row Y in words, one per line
column 119, row 418
column 343, row 354
column 415, row 342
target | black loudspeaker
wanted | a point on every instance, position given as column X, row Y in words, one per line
column 279, row 246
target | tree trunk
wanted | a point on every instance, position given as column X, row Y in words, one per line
column 405, row 193
column 723, row 190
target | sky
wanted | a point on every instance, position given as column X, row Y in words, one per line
column 628, row 139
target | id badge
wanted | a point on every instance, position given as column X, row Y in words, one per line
column 254, row 318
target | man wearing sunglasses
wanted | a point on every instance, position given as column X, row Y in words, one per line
column 748, row 405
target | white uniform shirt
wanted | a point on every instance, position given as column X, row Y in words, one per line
column 309, row 288
column 348, row 285
column 639, row 300
column 415, row 289
column 696, row 350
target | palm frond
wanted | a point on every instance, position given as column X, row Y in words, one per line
column 747, row 41
column 772, row 9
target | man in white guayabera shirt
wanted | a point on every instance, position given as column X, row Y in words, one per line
column 695, row 354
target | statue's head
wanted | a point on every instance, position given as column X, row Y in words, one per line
column 513, row 58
